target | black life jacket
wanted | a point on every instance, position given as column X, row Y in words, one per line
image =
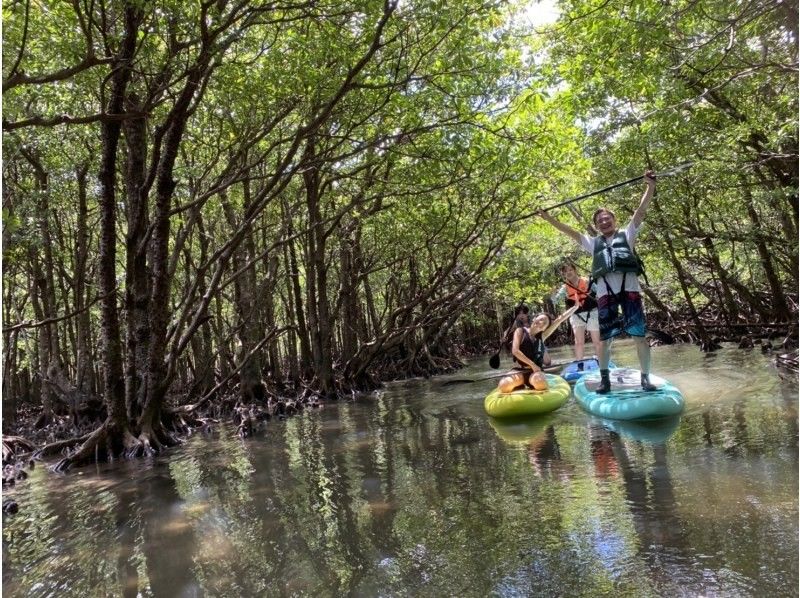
column 616, row 256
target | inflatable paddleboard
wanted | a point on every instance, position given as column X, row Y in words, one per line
column 627, row 400
column 575, row 369
column 528, row 401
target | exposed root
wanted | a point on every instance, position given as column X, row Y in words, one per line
column 709, row 346
column 55, row 448
column 111, row 441
column 12, row 473
column 13, row 445
column 88, row 451
column 788, row 361
column 154, row 439
column 149, row 445
column 183, row 420
column 132, row 446
column 250, row 418
column 660, row 337
column 44, row 420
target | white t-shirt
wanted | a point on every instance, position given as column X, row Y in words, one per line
column 615, row 278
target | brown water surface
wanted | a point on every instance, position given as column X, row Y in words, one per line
column 414, row 491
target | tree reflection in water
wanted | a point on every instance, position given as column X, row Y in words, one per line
column 416, row 492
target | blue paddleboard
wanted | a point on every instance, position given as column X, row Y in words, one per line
column 574, row 370
column 627, row 399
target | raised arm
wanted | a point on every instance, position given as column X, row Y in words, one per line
column 638, row 215
column 567, row 230
column 557, row 296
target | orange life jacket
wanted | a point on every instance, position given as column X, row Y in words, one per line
column 578, row 294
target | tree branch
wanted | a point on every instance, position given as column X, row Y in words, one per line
column 47, row 321
column 66, row 119
column 20, row 78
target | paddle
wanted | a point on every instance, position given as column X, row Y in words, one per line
column 553, row 367
column 671, row 172
column 558, row 321
column 494, row 360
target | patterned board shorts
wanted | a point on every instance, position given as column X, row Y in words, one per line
column 621, row 313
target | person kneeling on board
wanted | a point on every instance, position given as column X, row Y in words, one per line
column 530, row 353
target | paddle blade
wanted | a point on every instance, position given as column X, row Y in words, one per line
column 558, row 321
column 675, row 169
column 494, row 361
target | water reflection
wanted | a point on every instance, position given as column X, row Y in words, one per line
column 414, row 491
column 521, row 429
column 651, row 432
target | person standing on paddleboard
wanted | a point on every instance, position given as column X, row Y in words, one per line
column 616, row 269
column 578, row 290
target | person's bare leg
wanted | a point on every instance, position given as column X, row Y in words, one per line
column 603, row 354
column 538, row 381
column 580, row 342
column 596, row 342
column 605, row 382
column 511, row 382
column 643, row 351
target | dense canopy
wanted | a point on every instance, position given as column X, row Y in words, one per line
column 236, row 203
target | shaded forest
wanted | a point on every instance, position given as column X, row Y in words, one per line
column 239, row 209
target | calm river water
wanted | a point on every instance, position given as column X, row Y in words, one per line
column 414, row 491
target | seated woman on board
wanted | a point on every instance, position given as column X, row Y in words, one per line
column 530, row 353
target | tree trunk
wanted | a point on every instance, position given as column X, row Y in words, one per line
column 348, row 295
column 158, row 376
column 374, row 318
column 43, row 344
column 113, row 436
column 267, row 298
column 299, row 309
column 10, row 396
column 292, row 335
column 248, row 323
column 137, row 291
column 728, row 301
column 317, row 279
column 42, row 291
column 83, row 358
column 114, row 385
column 780, row 306
column 687, row 296
column 203, row 345
column 777, row 197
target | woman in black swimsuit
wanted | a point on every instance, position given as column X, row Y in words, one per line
column 530, row 353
